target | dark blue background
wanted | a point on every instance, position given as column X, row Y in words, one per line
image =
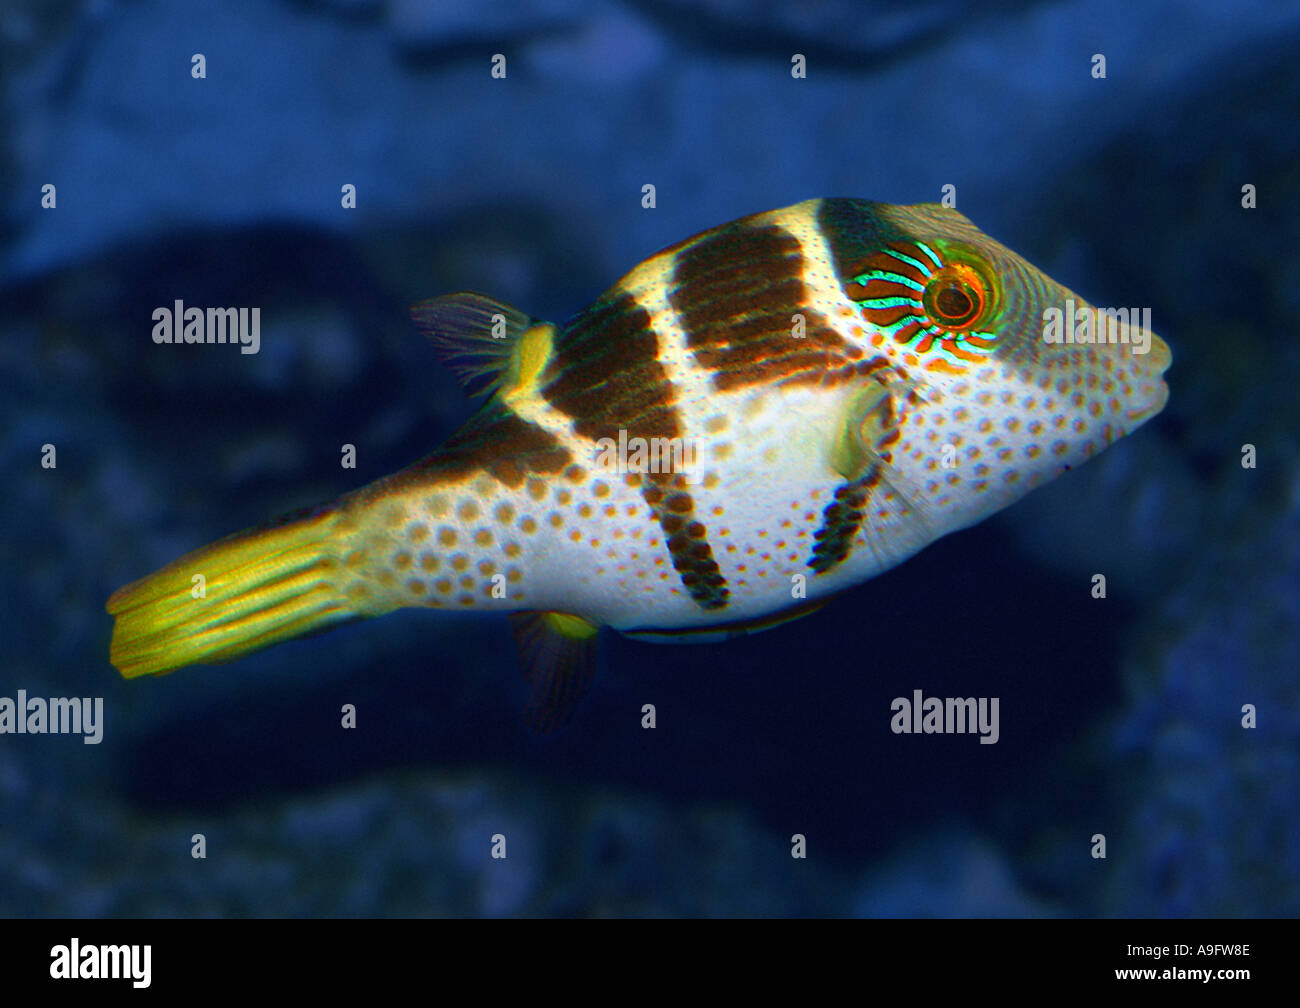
column 1119, row 717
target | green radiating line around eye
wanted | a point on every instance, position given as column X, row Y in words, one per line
column 943, row 352
column 895, row 328
column 897, row 278
column 891, row 302
column 933, row 258
column 960, row 340
column 940, row 334
column 921, row 267
column 986, row 351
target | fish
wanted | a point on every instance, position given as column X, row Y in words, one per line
column 746, row 425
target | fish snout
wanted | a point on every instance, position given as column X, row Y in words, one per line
column 1150, row 393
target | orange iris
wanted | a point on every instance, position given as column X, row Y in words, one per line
column 955, row 297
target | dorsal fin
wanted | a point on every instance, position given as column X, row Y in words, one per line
column 474, row 334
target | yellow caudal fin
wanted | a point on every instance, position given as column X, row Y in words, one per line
column 257, row 588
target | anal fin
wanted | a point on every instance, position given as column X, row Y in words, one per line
column 558, row 652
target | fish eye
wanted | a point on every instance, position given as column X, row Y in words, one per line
column 955, row 297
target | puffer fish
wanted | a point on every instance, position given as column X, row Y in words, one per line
column 748, row 423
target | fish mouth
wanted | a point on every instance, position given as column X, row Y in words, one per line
column 1154, row 404
column 1160, row 356
column 1154, row 362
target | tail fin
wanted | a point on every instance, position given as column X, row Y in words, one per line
column 259, row 587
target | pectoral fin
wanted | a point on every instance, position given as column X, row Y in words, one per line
column 876, row 502
column 867, row 427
